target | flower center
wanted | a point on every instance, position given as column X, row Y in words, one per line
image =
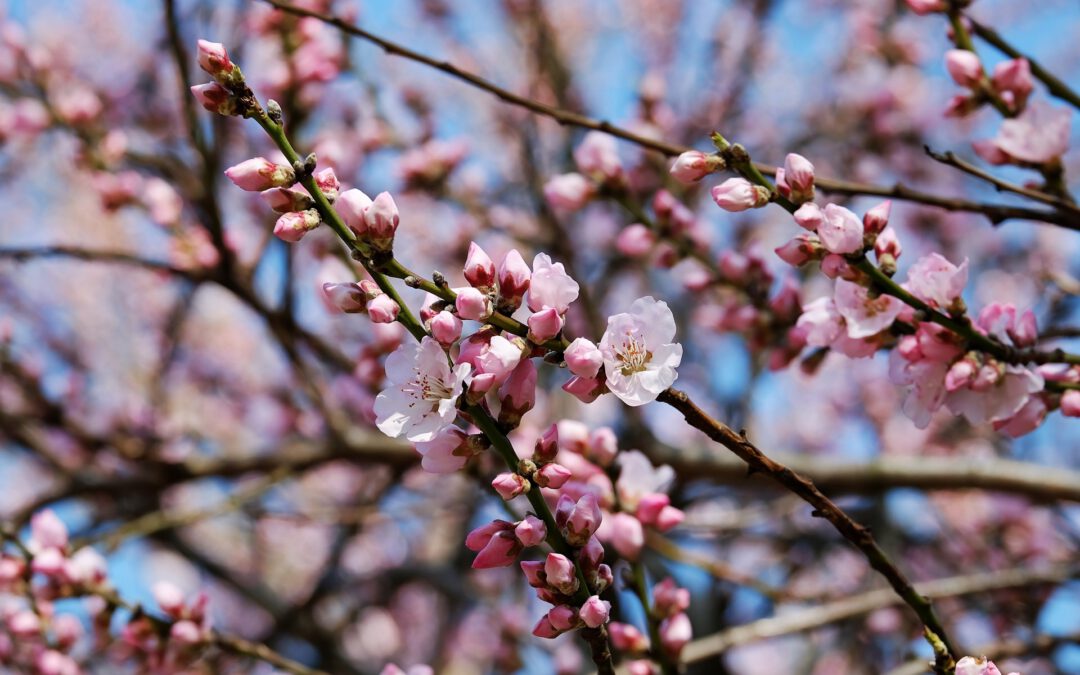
column 426, row 388
column 632, row 354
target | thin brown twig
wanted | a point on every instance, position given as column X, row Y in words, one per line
column 997, row 213
column 949, row 158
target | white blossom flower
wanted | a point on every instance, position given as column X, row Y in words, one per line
column 423, row 393
column 639, row 356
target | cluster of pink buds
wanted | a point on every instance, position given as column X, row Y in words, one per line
column 218, row 96
column 597, row 160
column 557, row 579
column 362, row 297
column 670, row 603
column 1010, row 82
column 174, row 644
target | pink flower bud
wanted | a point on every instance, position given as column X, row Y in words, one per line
column 258, row 174
column 327, row 181
column 991, row 152
column 169, row 598
column 650, row 505
column 739, row 194
column 481, row 384
column 496, row 545
column 531, row 531
column 1026, row 331
column 927, row 6
column 675, row 633
column 1014, row 77
column 214, row 98
column 49, row 562
column 602, row 447
column 580, row 519
column 563, row 617
column 964, row 67
column 383, row 309
column 185, row 632
column 473, row 304
column 24, row 624
column 510, row 485
column 552, row 476
column 382, row 221
column 809, row 216
column 583, row 358
column 801, row 250
column 544, row 629
column 214, row 59
column 835, row 266
column 635, row 240
column 67, row 628
column 598, row 156
column 585, row 389
column 284, row 200
column 1070, row 403
column 534, row 572
column 514, row 276
column 568, row 191
column 347, row 298
column 52, row 662
column 691, row 166
column 445, row 327
column 627, row 535
column 545, row 325
column 594, row 613
column 887, row 244
column 799, row 176
column 669, row 599
column 518, row 393
column 961, row 375
column 876, row 219
column 351, row 205
column 669, row 518
column 292, row 227
column 479, row 270
column 547, row 446
column 627, row 638
column 560, row 573
column 842, row 230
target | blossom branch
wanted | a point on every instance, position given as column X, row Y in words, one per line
column 996, row 213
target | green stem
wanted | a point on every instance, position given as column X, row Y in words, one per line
column 641, row 589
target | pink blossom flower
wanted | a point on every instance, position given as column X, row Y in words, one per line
column 583, row 358
column 640, row 356
column 594, row 613
column 1003, row 397
column 738, row 194
column 569, row 191
column 1025, row 420
column 551, row 286
column 47, row 531
column 447, row 452
column 864, row 315
column 638, row 478
column 1038, row 135
column 821, row 322
column 496, row 356
column 936, row 281
column 423, row 393
column 841, row 231
column 258, row 174
column 669, row 599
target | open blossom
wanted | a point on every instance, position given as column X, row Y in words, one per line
column 598, row 156
column 841, row 231
column 864, row 315
column 970, row 665
column 1038, row 135
column 551, row 286
column 995, row 393
column 640, row 356
column 936, row 281
column 568, row 191
column 423, row 391
column 447, row 452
